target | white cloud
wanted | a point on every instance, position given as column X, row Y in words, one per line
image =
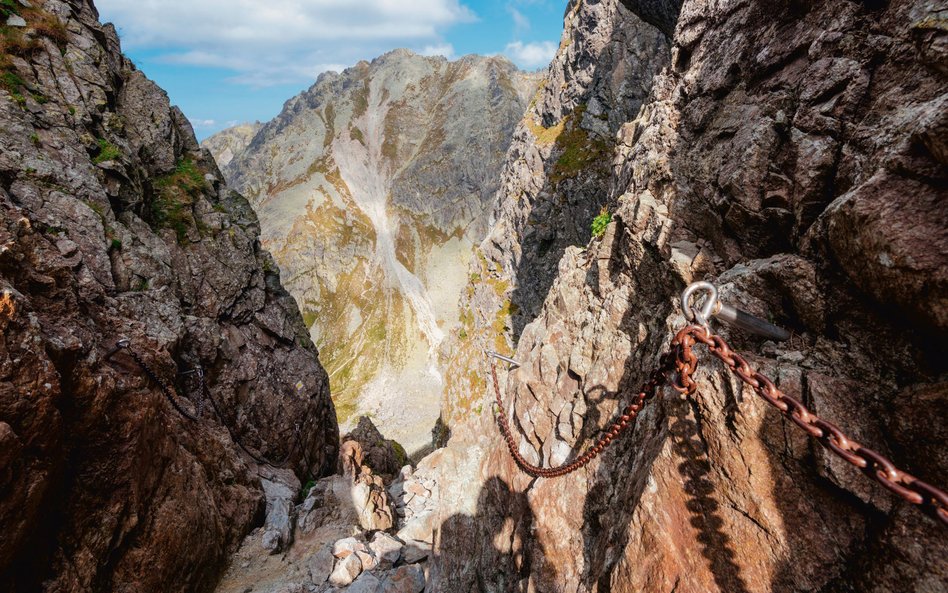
column 280, row 40
column 441, row 49
column 521, row 22
column 203, row 123
column 531, row 55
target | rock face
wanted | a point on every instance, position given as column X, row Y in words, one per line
column 791, row 153
column 116, row 224
column 369, row 495
column 555, row 180
column 226, row 144
column 372, row 187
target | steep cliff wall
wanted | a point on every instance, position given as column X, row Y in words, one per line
column 116, row 224
column 794, row 154
column 555, row 180
column 372, row 187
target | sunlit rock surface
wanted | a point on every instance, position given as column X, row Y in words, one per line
column 792, row 153
column 372, row 186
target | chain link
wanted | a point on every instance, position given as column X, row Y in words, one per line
column 164, row 387
column 871, row 463
column 681, row 359
column 621, row 423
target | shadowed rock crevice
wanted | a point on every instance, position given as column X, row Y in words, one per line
column 663, row 14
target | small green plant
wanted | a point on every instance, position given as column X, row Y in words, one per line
column 601, row 221
column 171, row 208
column 8, row 7
column 10, row 82
column 51, row 229
column 34, row 139
column 72, row 110
column 304, row 491
column 107, row 151
column 97, row 208
column 116, row 245
column 141, row 284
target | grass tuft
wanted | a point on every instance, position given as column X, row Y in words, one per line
column 177, row 192
column 107, row 151
column 579, row 151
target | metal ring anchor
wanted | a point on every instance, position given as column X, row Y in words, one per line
column 701, row 316
column 197, row 370
column 726, row 313
column 120, row 344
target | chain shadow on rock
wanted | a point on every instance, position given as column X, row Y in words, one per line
column 617, row 487
column 492, row 551
column 695, row 468
column 826, row 529
column 622, row 475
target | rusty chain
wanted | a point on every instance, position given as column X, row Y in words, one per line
column 681, row 359
column 164, row 387
column 869, row 462
column 623, row 421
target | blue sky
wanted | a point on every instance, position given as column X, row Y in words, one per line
column 230, row 61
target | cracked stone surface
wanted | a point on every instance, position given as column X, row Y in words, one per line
column 116, row 224
column 791, row 154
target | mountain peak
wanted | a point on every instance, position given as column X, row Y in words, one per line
column 372, row 187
